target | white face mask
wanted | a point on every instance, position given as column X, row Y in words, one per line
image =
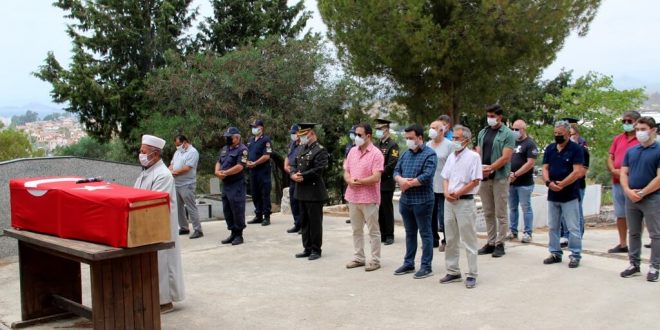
column 642, row 136
column 179, row 148
column 359, row 141
column 351, row 136
column 294, row 137
column 411, row 144
column 379, row 133
column 144, row 159
column 491, row 121
column 304, row 139
column 516, row 134
column 255, row 130
column 433, row 133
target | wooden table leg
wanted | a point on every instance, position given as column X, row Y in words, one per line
column 125, row 292
column 43, row 275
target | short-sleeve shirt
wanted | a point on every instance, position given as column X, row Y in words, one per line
column 419, row 164
column 230, row 157
column 620, row 146
column 560, row 165
column 461, row 169
column 643, row 164
column 523, row 151
column 582, row 182
column 257, row 148
column 503, row 139
column 361, row 164
column 185, row 157
column 442, row 151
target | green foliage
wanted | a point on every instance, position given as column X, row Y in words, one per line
column 116, row 43
column 16, row 144
column 54, row 116
column 452, row 56
column 89, row 147
column 29, row 117
column 238, row 23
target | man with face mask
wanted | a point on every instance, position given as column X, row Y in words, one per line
column 461, row 177
column 229, row 168
column 184, row 169
column 390, row 151
column 347, row 149
column 563, row 165
column 157, row 177
column 522, row 182
column 443, row 147
column 414, row 173
column 620, row 145
column 290, row 161
column 640, row 180
column 495, row 146
column 259, row 150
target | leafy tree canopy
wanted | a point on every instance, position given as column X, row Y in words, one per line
column 29, row 117
column 15, row 144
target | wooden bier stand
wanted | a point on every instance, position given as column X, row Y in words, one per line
column 124, row 282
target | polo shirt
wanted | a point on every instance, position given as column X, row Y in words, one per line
column 258, row 147
column 461, row 169
column 419, row 164
column 643, row 164
column 185, row 157
column 503, row 139
column 560, row 165
column 620, row 146
column 361, row 164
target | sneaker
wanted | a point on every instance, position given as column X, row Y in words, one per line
column 499, row 250
column 526, row 238
column 552, row 259
column 574, row 263
column 486, row 249
column 470, row 282
column 166, row 308
column 449, row 278
column 442, row 247
column 423, row 273
column 354, row 264
column 563, row 242
column 511, row 236
column 196, row 234
column 652, row 276
column 631, row 271
column 618, row 249
column 404, row 270
column 371, row 267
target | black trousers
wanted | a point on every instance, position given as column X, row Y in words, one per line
column 311, row 221
column 260, row 185
column 386, row 215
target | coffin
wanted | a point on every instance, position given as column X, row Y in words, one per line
column 99, row 212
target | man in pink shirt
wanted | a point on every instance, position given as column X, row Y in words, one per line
column 362, row 170
column 620, row 145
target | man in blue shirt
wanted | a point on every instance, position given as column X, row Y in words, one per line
column 563, row 165
column 289, row 162
column 259, row 150
column 229, row 168
column 640, row 180
column 414, row 173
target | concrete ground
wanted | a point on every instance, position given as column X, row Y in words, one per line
column 261, row 285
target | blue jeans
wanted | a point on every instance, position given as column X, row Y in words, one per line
column 569, row 211
column 521, row 195
column 564, row 230
column 418, row 217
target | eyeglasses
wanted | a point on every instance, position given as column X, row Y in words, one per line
column 628, row 121
column 359, row 135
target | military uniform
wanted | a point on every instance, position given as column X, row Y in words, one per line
column 390, row 151
column 260, row 181
column 311, row 162
column 233, row 188
column 295, row 207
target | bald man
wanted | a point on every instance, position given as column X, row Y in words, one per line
column 522, row 182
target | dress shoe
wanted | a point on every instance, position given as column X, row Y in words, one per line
column 348, row 221
column 229, row 239
column 196, row 234
column 183, row 231
column 389, row 241
column 237, row 240
column 292, row 230
column 303, row 254
column 499, row 250
column 486, row 249
column 266, row 222
column 256, row 220
column 314, row 256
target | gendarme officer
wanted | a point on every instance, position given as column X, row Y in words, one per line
column 259, row 150
column 229, row 168
column 390, row 151
column 307, row 172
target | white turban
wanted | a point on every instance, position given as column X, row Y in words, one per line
column 153, row 141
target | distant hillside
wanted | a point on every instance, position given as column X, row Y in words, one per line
column 41, row 109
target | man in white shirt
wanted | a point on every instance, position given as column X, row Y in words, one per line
column 443, row 147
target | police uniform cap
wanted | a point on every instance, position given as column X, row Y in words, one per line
column 382, row 123
column 257, row 123
column 294, row 129
column 305, row 128
column 231, row 131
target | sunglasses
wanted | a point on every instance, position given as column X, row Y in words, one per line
column 516, row 129
column 628, row 121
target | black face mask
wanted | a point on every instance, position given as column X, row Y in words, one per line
column 560, row 139
column 228, row 140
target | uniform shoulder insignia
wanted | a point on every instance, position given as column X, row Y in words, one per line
column 395, row 153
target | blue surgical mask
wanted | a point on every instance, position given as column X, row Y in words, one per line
column 628, row 127
column 516, row 134
column 458, row 146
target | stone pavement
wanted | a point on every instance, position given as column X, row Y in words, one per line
column 261, row 285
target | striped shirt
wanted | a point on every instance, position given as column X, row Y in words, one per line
column 361, row 164
column 419, row 164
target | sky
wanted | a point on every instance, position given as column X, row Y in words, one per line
column 623, row 41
